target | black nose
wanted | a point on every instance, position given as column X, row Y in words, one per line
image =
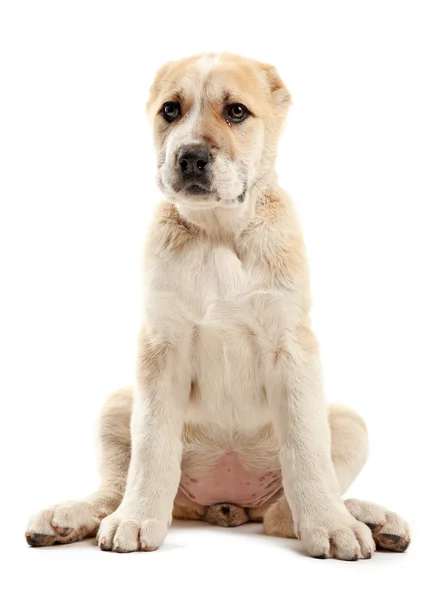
column 193, row 159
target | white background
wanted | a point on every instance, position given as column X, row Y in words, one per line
column 361, row 156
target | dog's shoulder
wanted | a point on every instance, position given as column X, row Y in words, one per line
column 274, row 237
column 170, row 233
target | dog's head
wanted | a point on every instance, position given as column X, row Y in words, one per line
column 216, row 121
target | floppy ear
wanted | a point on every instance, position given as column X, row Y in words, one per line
column 279, row 92
column 156, row 86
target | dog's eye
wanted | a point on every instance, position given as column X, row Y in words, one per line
column 171, row 111
column 236, row 113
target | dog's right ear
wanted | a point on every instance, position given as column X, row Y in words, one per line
column 155, row 88
column 279, row 92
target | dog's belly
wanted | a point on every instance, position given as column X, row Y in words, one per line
column 223, row 464
column 230, row 481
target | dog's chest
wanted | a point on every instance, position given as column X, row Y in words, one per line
column 207, row 276
column 208, row 291
column 227, row 383
column 217, row 275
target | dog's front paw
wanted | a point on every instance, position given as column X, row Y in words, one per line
column 340, row 536
column 125, row 532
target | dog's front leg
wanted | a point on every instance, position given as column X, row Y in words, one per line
column 159, row 405
column 294, row 390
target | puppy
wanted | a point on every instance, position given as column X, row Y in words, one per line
column 227, row 421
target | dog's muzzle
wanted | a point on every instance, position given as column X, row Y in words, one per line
column 193, row 164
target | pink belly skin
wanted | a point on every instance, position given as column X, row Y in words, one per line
column 229, row 481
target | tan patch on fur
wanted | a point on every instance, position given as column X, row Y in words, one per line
column 273, row 240
column 151, row 356
column 286, row 256
column 307, row 340
column 172, row 233
column 278, row 520
column 213, row 128
column 193, row 512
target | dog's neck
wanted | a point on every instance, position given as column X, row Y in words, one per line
column 230, row 220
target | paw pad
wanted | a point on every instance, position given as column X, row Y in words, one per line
column 392, row 542
column 39, row 539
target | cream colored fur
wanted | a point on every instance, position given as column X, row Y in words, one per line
column 227, row 358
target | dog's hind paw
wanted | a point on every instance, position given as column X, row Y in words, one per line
column 63, row 524
column 390, row 531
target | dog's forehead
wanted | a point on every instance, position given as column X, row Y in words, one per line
column 210, row 75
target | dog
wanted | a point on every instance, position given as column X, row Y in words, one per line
column 227, row 420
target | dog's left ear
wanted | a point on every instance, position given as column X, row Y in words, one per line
column 279, row 92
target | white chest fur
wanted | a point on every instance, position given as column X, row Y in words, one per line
column 209, row 288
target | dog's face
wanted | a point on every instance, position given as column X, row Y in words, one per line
column 216, row 121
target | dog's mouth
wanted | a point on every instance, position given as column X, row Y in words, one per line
column 198, row 189
column 195, row 189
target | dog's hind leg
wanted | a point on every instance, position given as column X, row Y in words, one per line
column 72, row 521
column 349, row 449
